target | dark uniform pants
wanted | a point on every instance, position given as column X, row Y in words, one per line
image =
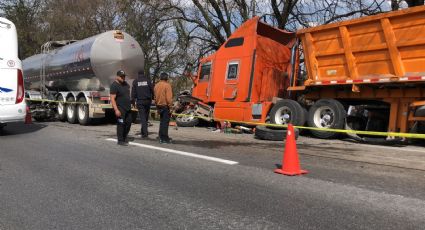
column 164, row 114
column 144, row 115
column 123, row 124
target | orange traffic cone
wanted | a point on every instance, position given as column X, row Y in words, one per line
column 290, row 163
column 28, row 118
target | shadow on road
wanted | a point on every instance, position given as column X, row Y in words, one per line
column 20, row 128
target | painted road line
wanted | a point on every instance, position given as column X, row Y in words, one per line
column 182, row 153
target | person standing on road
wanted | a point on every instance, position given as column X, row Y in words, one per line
column 164, row 102
column 120, row 99
column 141, row 96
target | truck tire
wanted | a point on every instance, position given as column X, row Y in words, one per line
column 288, row 111
column 326, row 113
column 83, row 112
column 61, row 109
column 187, row 119
column 71, row 111
column 265, row 133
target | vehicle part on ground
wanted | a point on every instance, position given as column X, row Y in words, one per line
column 287, row 111
column 265, row 133
column 187, row 118
column 326, row 113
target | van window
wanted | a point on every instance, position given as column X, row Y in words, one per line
column 205, row 71
column 232, row 70
column 234, row 42
column 9, row 40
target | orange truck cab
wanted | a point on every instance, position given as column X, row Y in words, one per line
column 240, row 80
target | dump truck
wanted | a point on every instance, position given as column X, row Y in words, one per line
column 364, row 74
column 70, row 79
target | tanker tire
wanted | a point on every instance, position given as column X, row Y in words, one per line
column 62, row 110
column 71, row 111
column 83, row 112
column 329, row 111
column 288, row 111
column 187, row 121
column 265, row 133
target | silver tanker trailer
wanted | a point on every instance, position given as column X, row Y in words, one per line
column 79, row 71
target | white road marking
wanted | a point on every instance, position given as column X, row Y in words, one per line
column 229, row 162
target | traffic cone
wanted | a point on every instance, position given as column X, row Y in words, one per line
column 290, row 163
column 28, row 118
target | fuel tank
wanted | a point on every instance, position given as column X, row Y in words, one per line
column 88, row 64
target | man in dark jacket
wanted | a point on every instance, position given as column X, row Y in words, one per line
column 141, row 96
column 120, row 100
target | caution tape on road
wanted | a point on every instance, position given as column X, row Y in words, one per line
column 358, row 132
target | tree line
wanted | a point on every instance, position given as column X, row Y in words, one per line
column 174, row 32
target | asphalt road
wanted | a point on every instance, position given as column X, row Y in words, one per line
column 61, row 176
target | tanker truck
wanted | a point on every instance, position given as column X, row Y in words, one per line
column 70, row 79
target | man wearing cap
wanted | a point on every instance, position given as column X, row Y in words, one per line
column 120, row 99
column 141, row 96
column 164, row 102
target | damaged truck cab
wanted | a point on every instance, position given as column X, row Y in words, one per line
column 240, row 80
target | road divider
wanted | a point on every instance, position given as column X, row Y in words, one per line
column 182, row 153
column 346, row 131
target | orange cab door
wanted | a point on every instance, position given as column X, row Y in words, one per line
column 203, row 87
column 231, row 80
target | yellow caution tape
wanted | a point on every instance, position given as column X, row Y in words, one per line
column 371, row 133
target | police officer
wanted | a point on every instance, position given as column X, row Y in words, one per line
column 164, row 102
column 141, row 95
column 120, row 99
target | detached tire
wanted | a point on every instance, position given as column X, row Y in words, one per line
column 326, row 113
column 83, row 112
column 61, row 109
column 187, row 119
column 71, row 111
column 265, row 133
column 288, row 111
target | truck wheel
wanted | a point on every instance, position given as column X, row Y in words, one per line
column 83, row 112
column 71, row 111
column 187, row 119
column 265, row 133
column 288, row 111
column 326, row 113
column 61, row 109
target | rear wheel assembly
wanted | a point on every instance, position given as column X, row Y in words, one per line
column 83, row 112
column 61, row 109
column 326, row 113
column 71, row 111
column 288, row 112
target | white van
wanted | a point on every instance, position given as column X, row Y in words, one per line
column 12, row 95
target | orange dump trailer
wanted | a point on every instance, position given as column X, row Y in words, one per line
column 371, row 68
column 363, row 74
